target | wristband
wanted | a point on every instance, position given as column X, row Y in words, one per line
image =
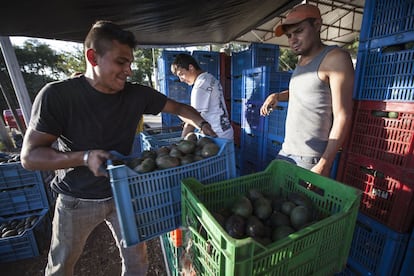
column 86, row 157
column 202, row 124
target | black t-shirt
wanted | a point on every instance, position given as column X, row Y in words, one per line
column 85, row 119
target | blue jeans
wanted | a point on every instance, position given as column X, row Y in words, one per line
column 73, row 221
column 301, row 161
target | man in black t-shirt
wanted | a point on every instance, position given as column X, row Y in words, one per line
column 89, row 115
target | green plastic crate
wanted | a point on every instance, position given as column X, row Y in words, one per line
column 319, row 249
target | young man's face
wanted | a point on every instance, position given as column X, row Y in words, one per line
column 113, row 68
column 302, row 36
column 188, row 76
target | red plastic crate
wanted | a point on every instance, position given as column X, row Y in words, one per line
column 388, row 191
column 375, row 135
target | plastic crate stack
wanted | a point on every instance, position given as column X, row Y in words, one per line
column 379, row 158
column 261, row 137
column 258, row 54
column 171, row 86
column 24, row 217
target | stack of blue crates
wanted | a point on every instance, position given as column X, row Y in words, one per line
column 209, row 61
column 259, row 54
column 379, row 156
column 23, row 203
column 171, row 86
column 261, row 137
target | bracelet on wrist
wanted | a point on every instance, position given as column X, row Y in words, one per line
column 86, row 157
column 203, row 123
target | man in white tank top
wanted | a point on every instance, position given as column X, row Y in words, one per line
column 320, row 94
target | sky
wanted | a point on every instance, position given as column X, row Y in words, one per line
column 57, row 45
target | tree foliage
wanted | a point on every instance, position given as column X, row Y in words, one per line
column 144, row 63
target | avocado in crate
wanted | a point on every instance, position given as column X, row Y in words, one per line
column 149, row 203
column 317, row 247
column 182, row 152
column 267, row 217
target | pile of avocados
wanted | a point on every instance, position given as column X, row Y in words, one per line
column 267, row 218
column 188, row 150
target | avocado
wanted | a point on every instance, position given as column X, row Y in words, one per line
column 279, row 219
column 204, row 140
column 163, row 151
column 166, row 162
column 254, row 194
column 282, row 232
column 254, row 227
column 235, row 226
column 220, row 218
column 187, row 159
column 134, row 162
column 147, row 165
column 277, row 203
column 299, row 216
column 300, row 199
column 243, row 207
column 287, row 207
column 149, row 153
column 186, row 146
column 175, row 152
column 209, row 149
column 262, row 208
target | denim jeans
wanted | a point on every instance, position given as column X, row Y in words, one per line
column 73, row 221
column 301, row 161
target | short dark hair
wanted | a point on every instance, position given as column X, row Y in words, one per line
column 184, row 61
column 102, row 34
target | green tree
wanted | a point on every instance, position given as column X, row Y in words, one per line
column 143, row 67
column 287, row 60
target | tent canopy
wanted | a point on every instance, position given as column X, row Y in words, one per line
column 175, row 23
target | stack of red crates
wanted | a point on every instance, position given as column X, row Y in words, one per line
column 379, row 156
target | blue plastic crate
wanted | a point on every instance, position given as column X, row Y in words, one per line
column 149, row 204
column 240, row 61
column 158, row 140
column 386, row 21
column 375, row 248
column 209, row 61
column 165, row 60
column 236, row 87
column 257, row 83
column 21, row 190
column 236, row 109
column 251, row 153
column 275, row 123
column 271, row 148
column 407, row 266
column 13, row 175
column 174, row 89
column 27, row 244
column 385, row 75
column 258, row 54
column 170, row 120
column 251, row 120
column 265, row 55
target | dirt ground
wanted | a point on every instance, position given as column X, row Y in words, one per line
column 100, row 258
